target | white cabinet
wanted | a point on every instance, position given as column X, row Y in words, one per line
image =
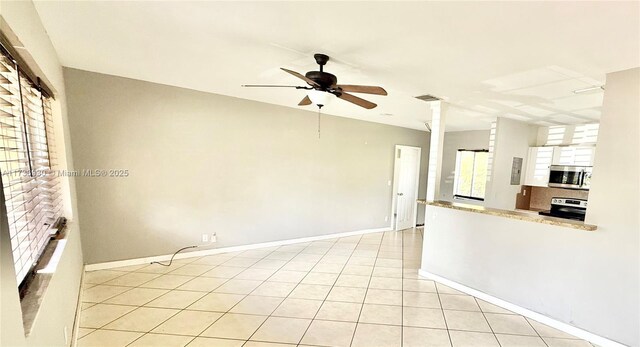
column 541, row 158
column 574, row 155
column 538, row 162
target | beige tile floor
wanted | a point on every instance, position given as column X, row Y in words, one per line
column 360, row 291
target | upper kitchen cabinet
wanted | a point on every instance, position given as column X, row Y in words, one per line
column 538, row 162
column 575, row 155
column 541, row 158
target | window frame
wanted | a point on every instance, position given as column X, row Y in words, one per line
column 47, row 222
column 473, row 168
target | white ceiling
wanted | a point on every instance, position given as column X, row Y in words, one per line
column 487, row 59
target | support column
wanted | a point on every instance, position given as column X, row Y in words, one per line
column 438, row 117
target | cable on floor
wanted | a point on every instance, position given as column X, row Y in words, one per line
column 174, row 254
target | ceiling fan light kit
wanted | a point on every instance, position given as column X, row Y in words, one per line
column 320, row 98
column 323, row 87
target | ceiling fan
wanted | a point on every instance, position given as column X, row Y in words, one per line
column 322, row 86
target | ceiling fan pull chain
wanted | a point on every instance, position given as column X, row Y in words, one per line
column 319, row 121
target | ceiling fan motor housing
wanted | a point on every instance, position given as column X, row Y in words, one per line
column 324, row 79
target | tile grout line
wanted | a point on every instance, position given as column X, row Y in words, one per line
column 330, row 289
column 181, row 310
column 537, row 333
column 327, row 320
column 364, row 300
column 443, row 316
column 285, row 298
column 246, row 295
column 160, row 275
column 169, row 290
column 103, row 301
column 222, row 264
column 325, row 298
column 139, row 286
column 486, row 320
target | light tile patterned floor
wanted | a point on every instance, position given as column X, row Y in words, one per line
column 360, row 291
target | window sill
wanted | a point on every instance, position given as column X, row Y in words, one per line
column 43, row 272
column 467, row 198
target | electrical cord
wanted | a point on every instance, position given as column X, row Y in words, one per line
column 174, row 254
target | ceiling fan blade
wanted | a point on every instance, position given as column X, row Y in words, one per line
column 302, row 77
column 304, row 102
column 270, row 86
column 362, row 89
column 358, row 101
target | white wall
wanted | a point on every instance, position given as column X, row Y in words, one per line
column 614, row 199
column 586, row 279
column 513, row 139
column 454, row 140
column 203, row 163
column 57, row 309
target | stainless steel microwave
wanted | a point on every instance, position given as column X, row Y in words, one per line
column 572, row 177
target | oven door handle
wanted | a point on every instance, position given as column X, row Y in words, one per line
column 581, row 180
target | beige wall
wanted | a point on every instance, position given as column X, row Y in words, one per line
column 202, row 163
column 20, row 21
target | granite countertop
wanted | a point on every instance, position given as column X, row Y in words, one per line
column 526, row 216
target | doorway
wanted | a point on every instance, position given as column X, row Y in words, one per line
column 406, row 179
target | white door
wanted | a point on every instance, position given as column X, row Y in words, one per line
column 405, row 186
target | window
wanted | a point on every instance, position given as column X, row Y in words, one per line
column 27, row 157
column 471, row 174
column 585, row 134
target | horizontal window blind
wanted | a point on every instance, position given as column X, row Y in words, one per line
column 30, row 186
column 52, row 183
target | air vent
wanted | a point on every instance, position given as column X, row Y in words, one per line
column 427, row 98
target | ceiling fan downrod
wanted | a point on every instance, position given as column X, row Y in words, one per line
column 321, row 59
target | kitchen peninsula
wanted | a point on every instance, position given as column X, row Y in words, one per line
column 511, row 214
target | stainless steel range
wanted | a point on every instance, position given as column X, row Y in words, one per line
column 569, row 208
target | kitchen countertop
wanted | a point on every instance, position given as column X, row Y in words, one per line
column 526, row 216
column 530, row 210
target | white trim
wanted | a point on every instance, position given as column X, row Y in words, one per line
column 415, row 204
column 567, row 328
column 147, row 260
column 76, row 320
column 394, row 188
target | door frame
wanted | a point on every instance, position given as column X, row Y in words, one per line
column 394, row 194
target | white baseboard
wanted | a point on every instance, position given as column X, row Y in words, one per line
column 567, row 328
column 147, row 260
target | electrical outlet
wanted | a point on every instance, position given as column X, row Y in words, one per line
column 386, row 218
column 214, row 238
column 205, row 237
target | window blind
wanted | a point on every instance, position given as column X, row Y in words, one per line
column 30, row 187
